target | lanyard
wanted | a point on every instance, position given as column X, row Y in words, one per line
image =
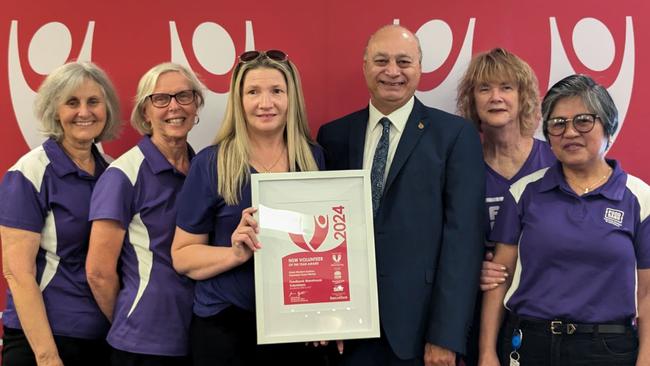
column 517, row 337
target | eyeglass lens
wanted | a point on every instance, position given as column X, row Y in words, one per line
column 582, row 123
column 161, row 100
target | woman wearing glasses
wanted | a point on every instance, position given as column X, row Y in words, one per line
column 575, row 239
column 51, row 317
column 264, row 130
column 133, row 210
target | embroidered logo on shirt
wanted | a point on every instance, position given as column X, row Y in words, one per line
column 614, row 216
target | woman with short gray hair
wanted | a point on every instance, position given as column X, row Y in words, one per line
column 51, row 316
column 63, row 82
column 575, row 241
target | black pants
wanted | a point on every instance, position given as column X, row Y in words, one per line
column 372, row 352
column 123, row 358
column 229, row 338
column 72, row 351
column 471, row 355
column 541, row 348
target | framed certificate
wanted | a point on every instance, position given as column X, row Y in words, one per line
column 315, row 276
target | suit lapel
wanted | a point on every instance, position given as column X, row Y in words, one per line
column 414, row 129
column 358, row 139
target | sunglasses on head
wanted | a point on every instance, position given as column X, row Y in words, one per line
column 275, row 55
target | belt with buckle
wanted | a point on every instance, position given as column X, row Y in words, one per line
column 559, row 327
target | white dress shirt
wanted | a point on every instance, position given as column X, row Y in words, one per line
column 373, row 133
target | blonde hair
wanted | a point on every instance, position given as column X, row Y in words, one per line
column 500, row 65
column 232, row 138
column 64, row 81
column 146, row 86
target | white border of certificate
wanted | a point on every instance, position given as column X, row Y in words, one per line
column 290, row 202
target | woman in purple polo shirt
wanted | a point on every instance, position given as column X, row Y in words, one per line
column 575, row 239
column 133, row 209
column 51, row 316
column 264, row 130
column 499, row 93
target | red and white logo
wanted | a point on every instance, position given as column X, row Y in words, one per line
column 318, row 273
column 321, row 228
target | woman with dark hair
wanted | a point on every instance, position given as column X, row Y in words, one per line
column 575, row 239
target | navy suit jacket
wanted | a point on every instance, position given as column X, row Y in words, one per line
column 429, row 228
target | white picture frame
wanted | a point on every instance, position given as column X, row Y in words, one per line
column 315, row 276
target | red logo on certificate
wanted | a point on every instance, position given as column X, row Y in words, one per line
column 314, row 276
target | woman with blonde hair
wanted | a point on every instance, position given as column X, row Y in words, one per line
column 264, row 130
column 133, row 210
column 499, row 93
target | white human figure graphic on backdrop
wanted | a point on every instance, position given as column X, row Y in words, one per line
column 49, row 48
column 594, row 45
column 215, row 51
column 436, row 39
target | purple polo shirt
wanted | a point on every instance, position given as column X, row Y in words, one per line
column 497, row 186
column 578, row 255
column 201, row 210
column 46, row 193
column 154, row 306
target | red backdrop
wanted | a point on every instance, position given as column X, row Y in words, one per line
column 326, row 40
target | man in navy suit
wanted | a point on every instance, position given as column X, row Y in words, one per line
column 428, row 222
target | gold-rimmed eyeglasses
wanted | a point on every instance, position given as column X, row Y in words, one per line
column 582, row 123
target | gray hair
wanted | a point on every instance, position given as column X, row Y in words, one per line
column 147, row 85
column 593, row 95
column 61, row 84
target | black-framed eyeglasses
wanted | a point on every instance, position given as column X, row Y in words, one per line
column 582, row 123
column 275, row 55
column 162, row 100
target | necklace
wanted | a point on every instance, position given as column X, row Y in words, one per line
column 86, row 164
column 590, row 188
column 269, row 168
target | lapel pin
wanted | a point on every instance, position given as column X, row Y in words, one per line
column 420, row 125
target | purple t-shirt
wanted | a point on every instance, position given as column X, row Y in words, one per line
column 46, row 193
column 496, row 186
column 154, row 306
column 201, row 210
column 578, row 255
